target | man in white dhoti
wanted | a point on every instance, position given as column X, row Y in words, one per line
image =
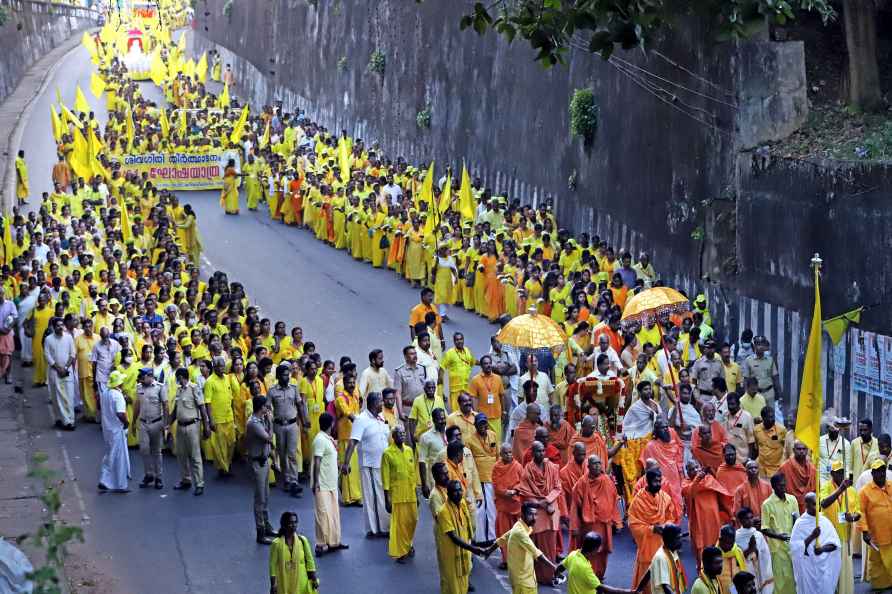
column 58, row 348
column 115, row 471
column 755, row 551
column 814, row 546
column 370, row 432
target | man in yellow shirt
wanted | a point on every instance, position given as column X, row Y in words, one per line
column 83, row 346
column 218, row 396
column 876, row 529
column 752, row 401
column 770, row 440
column 732, row 369
column 840, row 505
column 399, row 479
column 666, row 572
column 453, row 537
column 522, row 553
column 581, row 578
column 458, row 362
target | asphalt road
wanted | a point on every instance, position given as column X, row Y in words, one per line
column 167, row 541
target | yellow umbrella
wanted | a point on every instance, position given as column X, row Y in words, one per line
column 652, row 304
column 532, row 331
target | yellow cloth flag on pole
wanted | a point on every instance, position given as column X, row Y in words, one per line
column 126, row 229
column 131, row 129
column 157, row 71
column 80, row 101
column 165, row 124
column 201, row 69
column 811, row 391
column 344, row 159
column 445, row 196
column 88, row 43
column 189, row 68
column 80, row 155
column 8, row 245
column 426, row 195
column 239, row 127
column 466, row 202
column 58, row 126
column 264, row 140
column 182, row 127
column 836, row 326
column 223, row 99
column 58, row 96
column 70, row 118
column 97, row 85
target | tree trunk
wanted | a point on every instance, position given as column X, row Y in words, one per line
column 859, row 18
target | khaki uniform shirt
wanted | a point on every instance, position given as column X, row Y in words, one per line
column 150, row 402
column 285, row 402
column 189, row 401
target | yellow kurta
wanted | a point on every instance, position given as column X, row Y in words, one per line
column 351, row 492
column 219, row 394
column 229, row 193
column 290, row 565
column 400, row 478
column 41, row 322
column 454, row 562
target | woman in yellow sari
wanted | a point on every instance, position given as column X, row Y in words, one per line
column 339, row 220
column 252, row 183
column 229, row 193
column 190, row 235
column 376, row 226
column 415, row 253
column 493, row 294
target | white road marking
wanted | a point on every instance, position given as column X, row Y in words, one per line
column 69, row 473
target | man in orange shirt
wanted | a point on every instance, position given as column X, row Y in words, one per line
column 416, row 315
column 706, row 500
column 800, row 474
column 648, row 512
column 505, row 477
column 489, row 396
column 876, row 529
column 753, row 492
column 594, row 509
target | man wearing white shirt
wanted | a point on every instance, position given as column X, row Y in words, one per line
column 604, row 348
column 370, row 432
column 58, row 348
column 374, row 378
column 544, row 387
column 392, row 190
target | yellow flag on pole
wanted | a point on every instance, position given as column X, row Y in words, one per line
column 97, row 85
column 201, row 69
column 836, row 326
column 8, row 245
column 126, row 229
column 264, row 140
column 344, row 159
column 182, row 126
column 157, row 71
column 811, row 391
column 426, row 195
column 131, row 129
column 80, row 155
column 466, row 202
column 58, row 127
column 80, row 101
column 445, row 196
column 223, row 99
column 239, row 127
column 58, row 96
column 70, row 118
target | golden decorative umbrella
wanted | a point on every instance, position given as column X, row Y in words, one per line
column 532, row 331
column 651, row 304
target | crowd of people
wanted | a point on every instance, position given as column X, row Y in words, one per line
column 543, row 457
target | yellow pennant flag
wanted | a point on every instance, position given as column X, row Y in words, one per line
column 239, row 127
column 811, row 391
column 126, row 229
column 182, row 127
column 189, row 68
column 165, row 124
column 157, row 71
column 344, row 159
column 445, row 196
column 80, row 155
column 131, row 129
column 97, row 85
column 88, row 43
column 426, row 195
column 58, row 96
column 80, row 101
column 466, row 202
column 223, row 99
column 58, row 126
column 70, row 118
column 8, row 245
column 264, row 140
column 201, row 69
column 836, row 326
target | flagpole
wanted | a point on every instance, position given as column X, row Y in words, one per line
column 816, row 265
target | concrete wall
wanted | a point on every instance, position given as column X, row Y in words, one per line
column 31, row 30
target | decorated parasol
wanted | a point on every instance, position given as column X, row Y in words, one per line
column 532, row 333
column 651, row 305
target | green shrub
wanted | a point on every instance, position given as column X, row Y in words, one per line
column 377, row 62
column 423, row 118
column 584, row 114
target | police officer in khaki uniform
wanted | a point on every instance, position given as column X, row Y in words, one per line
column 762, row 367
column 288, row 410
column 409, row 380
column 191, row 416
column 151, row 410
column 258, row 442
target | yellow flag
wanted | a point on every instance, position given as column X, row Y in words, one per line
column 126, row 229
column 201, row 69
column 70, row 118
column 239, row 127
column 8, row 245
column 131, row 129
column 181, row 44
column 80, row 155
column 165, row 124
column 811, row 391
column 182, row 128
column 58, row 96
column 157, row 71
column 836, row 327
column 344, row 159
column 223, row 99
column 58, row 127
column 466, row 202
column 80, row 101
column 445, row 196
column 426, row 195
column 189, row 68
column 97, row 85
column 88, row 43
column 264, row 140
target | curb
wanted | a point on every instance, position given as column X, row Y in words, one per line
column 14, row 139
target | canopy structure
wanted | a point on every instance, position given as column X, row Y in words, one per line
column 652, row 304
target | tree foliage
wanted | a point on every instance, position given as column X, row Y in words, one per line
column 601, row 26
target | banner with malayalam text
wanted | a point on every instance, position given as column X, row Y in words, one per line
column 181, row 170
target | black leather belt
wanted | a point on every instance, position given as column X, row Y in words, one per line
column 152, row 421
column 186, row 423
column 286, row 423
